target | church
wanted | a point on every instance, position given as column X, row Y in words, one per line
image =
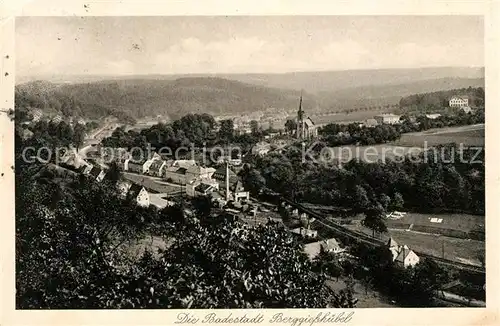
column 306, row 129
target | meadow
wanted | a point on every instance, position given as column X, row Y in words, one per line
column 467, row 135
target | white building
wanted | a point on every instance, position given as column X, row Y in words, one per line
column 433, row 116
column 466, row 109
column 37, row 115
column 305, row 232
column 402, row 255
column 261, row 148
column 56, row 119
column 387, row 118
column 202, row 188
column 140, row 195
column 458, row 101
column 313, row 249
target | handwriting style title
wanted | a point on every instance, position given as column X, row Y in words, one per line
column 258, row 318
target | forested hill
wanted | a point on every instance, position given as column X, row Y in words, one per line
column 440, row 99
column 140, row 97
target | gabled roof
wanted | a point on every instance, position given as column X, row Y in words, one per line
column 95, row 171
column 134, row 190
column 312, row 249
column 460, row 97
column 309, row 122
column 220, row 174
column 403, row 253
column 82, row 168
column 156, row 165
column 330, row 244
column 202, row 187
column 392, row 243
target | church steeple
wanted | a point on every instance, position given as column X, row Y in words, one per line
column 300, row 114
column 300, row 120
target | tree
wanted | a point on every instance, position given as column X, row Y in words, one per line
column 202, row 206
column 385, row 201
column 291, row 126
column 78, row 136
column 226, row 130
column 254, row 127
column 360, row 198
column 113, row 175
column 254, row 181
column 374, row 219
column 397, row 202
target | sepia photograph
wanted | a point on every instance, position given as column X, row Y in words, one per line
column 250, row 162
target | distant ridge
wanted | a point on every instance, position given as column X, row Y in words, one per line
column 136, row 98
column 311, row 81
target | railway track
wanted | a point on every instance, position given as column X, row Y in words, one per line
column 339, row 229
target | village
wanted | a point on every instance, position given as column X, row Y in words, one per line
column 161, row 181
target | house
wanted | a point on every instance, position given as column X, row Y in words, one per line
column 37, row 115
column 387, row 118
column 402, row 255
column 305, row 232
column 81, row 122
column 220, row 176
column 140, row 194
column 160, row 201
column 136, row 166
column 141, row 165
column 201, row 188
column 72, row 158
column 157, row 168
column 231, row 160
column 199, row 172
column 97, row 173
column 370, row 123
column 458, row 101
column 466, row 109
column 229, row 184
column 183, row 163
column 183, row 175
column 238, row 192
column 26, row 134
column 433, row 116
column 122, row 163
column 56, row 119
column 261, row 148
column 331, row 245
column 85, row 168
column 313, row 249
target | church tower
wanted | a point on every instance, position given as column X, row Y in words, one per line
column 300, row 120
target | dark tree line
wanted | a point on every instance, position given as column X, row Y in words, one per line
column 442, row 180
column 354, row 134
column 195, row 130
column 439, row 100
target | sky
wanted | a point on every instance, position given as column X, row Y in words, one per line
column 239, row 44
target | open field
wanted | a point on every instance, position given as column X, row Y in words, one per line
column 459, row 222
column 468, row 135
column 344, row 117
column 460, row 250
column 370, row 153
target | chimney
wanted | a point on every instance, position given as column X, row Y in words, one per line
column 227, row 180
